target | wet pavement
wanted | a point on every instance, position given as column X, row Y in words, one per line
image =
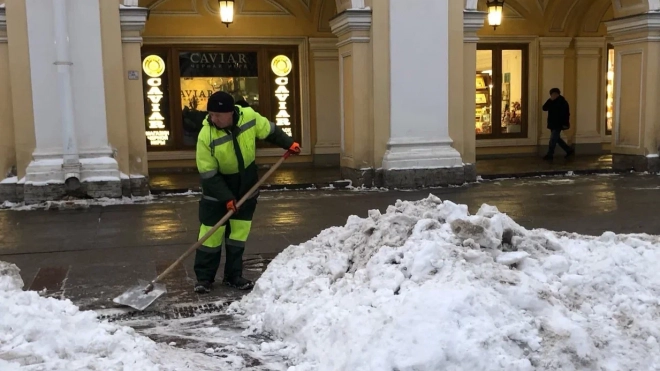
column 303, row 176
column 536, row 166
column 92, row 254
column 284, row 177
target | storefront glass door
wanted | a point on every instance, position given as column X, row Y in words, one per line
column 501, row 91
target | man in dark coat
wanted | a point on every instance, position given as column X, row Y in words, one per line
column 558, row 119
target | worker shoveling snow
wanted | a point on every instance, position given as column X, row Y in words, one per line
column 425, row 286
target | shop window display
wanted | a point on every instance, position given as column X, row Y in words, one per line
column 609, row 104
column 178, row 81
column 484, row 86
column 501, row 90
column 202, row 74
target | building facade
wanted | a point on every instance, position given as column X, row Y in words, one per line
column 94, row 96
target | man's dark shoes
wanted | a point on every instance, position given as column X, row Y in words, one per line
column 547, row 158
column 239, row 283
column 203, row 287
column 570, row 154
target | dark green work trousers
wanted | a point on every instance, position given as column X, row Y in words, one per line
column 232, row 235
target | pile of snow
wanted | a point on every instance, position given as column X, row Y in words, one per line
column 38, row 333
column 426, row 286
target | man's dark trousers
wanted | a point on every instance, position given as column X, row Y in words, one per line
column 555, row 138
column 207, row 260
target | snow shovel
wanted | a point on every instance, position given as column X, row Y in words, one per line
column 145, row 293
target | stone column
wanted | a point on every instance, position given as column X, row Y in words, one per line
column 553, row 54
column 420, row 151
column 133, row 20
column 352, row 28
column 91, row 164
column 586, row 115
column 325, row 57
column 636, row 132
column 473, row 21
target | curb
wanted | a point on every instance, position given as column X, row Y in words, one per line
column 341, row 185
column 547, row 173
column 336, row 185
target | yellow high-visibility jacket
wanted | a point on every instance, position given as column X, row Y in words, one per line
column 226, row 157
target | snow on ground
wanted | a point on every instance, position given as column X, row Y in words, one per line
column 48, row 334
column 426, row 286
column 161, row 198
column 102, row 201
column 9, row 180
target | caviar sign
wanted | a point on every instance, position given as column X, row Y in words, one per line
column 281, row 66
column 156, row 100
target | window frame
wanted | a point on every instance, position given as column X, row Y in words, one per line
column 496, row 66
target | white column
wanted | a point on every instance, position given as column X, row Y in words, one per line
column 419, row 136
column 52, row 115
column 71, row 162
column 586, row 115
column 43, row 72
column 553, row 53
column 325, row 56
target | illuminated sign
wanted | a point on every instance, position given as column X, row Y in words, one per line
column 154, row 67
column 282, row 66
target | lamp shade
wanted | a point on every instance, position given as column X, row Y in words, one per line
column 495, row 8
column 226, row 11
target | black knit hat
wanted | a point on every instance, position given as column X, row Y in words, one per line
column 220, row 102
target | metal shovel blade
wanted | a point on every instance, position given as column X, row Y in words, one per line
column 136, row 298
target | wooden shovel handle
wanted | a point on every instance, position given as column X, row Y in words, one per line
column 223, row 220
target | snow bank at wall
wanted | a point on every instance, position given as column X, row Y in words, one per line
column 426, row 286
column 44, row 334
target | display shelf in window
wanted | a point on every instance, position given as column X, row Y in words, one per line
column 483, row 111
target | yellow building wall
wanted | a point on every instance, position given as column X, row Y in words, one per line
column 7, row 147
column 113, row 78
column 20, row 81
column 380, row 41
column 457, row 125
